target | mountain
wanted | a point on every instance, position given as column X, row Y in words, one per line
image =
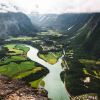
column 60, row 22
column 43, row 20
column 15, row 24
column 81, row 29
column 88, row 37
column 13, row 21
column 67, row 24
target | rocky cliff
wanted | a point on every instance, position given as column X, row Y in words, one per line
column 18, row 90
column 15, row 24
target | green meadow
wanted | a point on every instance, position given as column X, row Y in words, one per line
column 16, row 65
column 50, row 57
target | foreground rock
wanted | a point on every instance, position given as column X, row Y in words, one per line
column 17, row 90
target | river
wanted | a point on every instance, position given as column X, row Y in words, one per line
column 53, row 84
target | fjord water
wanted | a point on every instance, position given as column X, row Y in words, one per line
column 53, row 84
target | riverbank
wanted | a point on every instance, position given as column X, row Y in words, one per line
column 22, row 62
column 53, row 84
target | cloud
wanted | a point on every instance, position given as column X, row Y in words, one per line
column 57, row 6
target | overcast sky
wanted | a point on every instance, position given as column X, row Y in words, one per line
column 57, row 6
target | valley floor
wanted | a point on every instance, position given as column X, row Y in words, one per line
column 82, row 77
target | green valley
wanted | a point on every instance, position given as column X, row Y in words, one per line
column 15, row 63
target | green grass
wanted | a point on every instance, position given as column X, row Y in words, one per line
column 50, row 32
column 14, row 68
column 88, row 65
column 17, row 65
column 88, row 61
column 37, row 83
column 50, row 57
column 13, row 50
column 13, row 59
column 22, row 47
column 17, row 58
column 92, row 73
column 15, row 54
column 24, row 38
column 26, row 73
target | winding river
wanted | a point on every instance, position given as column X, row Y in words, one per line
column 53, row 84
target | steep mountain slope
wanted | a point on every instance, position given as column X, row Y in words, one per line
column 43, row 20
column 13, row 21
column 61, row 22
column 88, row 37
column 81, row 29
column 15, row 24
column 84, row 57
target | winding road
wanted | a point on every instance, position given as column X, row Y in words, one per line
column 53, row 84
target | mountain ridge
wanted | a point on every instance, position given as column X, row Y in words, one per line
column 16, row 24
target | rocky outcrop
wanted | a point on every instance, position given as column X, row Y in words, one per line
column 18, row 90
